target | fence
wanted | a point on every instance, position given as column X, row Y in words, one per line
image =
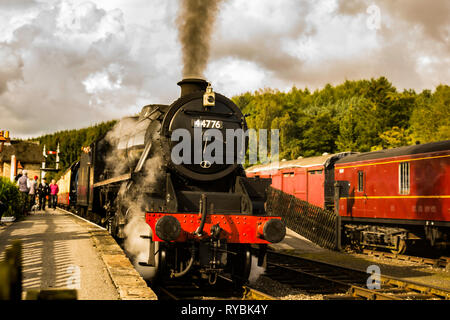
column 314, row 223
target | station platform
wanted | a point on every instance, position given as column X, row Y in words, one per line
column 298, row 245
column 62, row 250
column 295, row 242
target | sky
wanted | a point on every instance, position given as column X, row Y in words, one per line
column 68, row 64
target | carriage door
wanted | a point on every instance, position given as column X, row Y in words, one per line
column 361, row 206
column 315, row 184
column 289, row 182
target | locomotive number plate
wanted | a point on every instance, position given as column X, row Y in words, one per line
column 207, row 124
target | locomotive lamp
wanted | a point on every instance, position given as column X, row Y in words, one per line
column 168, row 228
column 209, row 98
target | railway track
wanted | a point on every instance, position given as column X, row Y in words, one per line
column 442, row 262
column 224, row 289
column 335, row 282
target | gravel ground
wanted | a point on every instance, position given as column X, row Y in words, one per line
column 282, row 291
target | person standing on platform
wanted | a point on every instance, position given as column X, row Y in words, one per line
column 16, row 178
column 54, row 189
column 43, row 192
column 33, row 190
column 24, row 188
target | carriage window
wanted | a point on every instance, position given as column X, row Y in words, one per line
column 360, row 181
column 288, row 174
column 403, row 178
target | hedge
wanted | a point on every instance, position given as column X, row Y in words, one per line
column 11, row 201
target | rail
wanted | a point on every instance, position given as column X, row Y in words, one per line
column 442, row 262
column 340, row 283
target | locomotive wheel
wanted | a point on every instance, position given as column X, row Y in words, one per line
column 241, row 265
column 162, row 265
column 401, row 249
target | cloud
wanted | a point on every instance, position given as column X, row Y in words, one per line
column 311, row 43
column 70, row 63
column 432, row 16
column 75, row 64
column 16, row 4
column 10, row 68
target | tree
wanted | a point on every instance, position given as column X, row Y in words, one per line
column 394, row 138
column 360, row 115
column 70, row 142
column 430, row 120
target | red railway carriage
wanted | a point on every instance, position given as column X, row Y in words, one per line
column 67, row 186
column 390, row 198
column 64, row 188
column 309, row 179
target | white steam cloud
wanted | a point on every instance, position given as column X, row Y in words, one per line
column 125, row 133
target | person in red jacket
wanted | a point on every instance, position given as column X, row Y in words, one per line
column 54, row 189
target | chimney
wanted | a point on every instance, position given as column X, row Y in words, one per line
column 13, row 169
column 191, row 85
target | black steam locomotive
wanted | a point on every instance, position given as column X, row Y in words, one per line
column 203, row 215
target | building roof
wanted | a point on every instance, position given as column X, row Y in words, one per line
column 323, row 160
column 25, row 152
column 402, row 151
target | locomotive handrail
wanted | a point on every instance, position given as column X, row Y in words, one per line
column 208, row 113
column 204, row 212
column 144, row 156
column 121, row 178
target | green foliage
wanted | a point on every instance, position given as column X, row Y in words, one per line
column 394, row 138
column 71, row 142
column 361, row 115
column 11, row 197
column 430, row 121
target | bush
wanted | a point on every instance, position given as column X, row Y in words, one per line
column 11, row 198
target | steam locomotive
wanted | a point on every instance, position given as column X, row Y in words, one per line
column 202, row 216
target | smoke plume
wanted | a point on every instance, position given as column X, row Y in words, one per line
column 195, row 24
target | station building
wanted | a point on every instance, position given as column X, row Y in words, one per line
column 21, row 155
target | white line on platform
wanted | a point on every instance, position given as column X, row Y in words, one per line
column 81, row 218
